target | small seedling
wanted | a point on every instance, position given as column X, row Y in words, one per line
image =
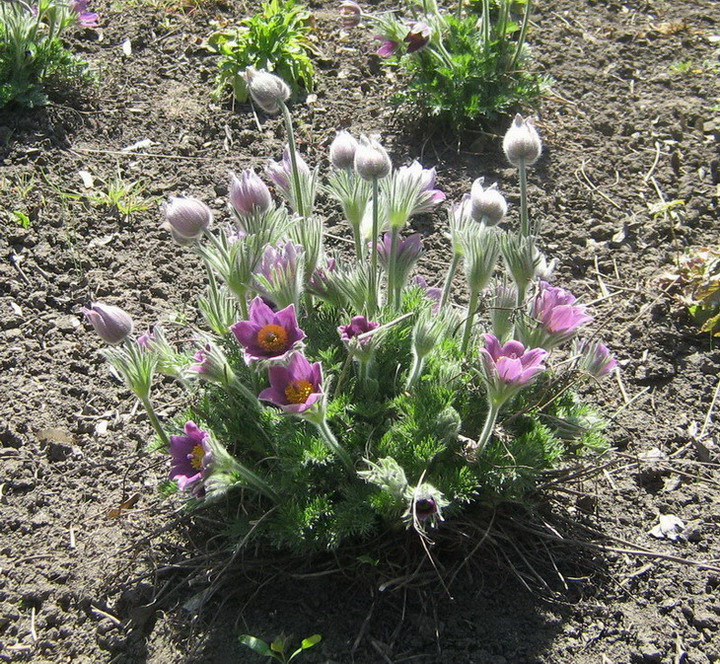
column 279, row 647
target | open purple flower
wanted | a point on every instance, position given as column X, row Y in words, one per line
column 418, row 37
column 191, row 457
column 510, row 365
column 555, row 309
column 295, row 388
column 358, row 325
column 268, row 335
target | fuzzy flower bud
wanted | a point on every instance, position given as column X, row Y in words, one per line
column 112, row 324
column 522, row 142
column 418, row 37
column 267, row 90
column 488, row 205
column 186, row 218
column 351, row 13
column 342, row 150
column 249, row 193
column 595, row 358
column 371, row 159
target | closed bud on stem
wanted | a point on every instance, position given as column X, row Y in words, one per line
column 418, row 37
column 351, row 13
column 487, row 205
column 522, row 143
column 112, row 324
column 187, row 218
column 371, row 159
column 342, row 150
column 267, row 90
column 249, row 194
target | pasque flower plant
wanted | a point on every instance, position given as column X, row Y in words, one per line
column 341, row 394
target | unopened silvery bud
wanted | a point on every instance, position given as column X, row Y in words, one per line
column 187, row 218
column 371, row 159
column 351, row 13
column 522, row 142
column 267, row 90
column 112, row 324
column 342, row 150
column 249, row 194
column 488, row 205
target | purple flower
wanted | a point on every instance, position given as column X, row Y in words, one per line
column 296, row 387
column 280, row 172
column 427, row 196
column 409, row 251
column 387, row 48
column 351, row 13
column 418, row 37
column 425, row 507
column 212, row 365
column 557, row 312
column 371, row 159
column 358, row 325
column 268, row 335
column 191, row 457
column 431, row 293
column 596, row 359
column 85, row 18
column 112, row 324
column 249, row 194
column 320, row 278
column 279, row 273
column 510, row 365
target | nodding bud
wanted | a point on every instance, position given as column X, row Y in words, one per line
column 351, row 13
column 522, row 142
column 342, row 150
column 418, row 37
column 249, row 193
column 187, row 218
column 112, row 324
column 487, row 205
column 267, row 90
column 371, row 159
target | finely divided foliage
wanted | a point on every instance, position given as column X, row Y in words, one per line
column 340, row 397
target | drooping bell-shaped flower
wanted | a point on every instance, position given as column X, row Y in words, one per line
column 351, row 336
column 249, row 194
column 371, row 159
column 351, row 13
column 187, row 218
column 191, row 457
column 487, row 204
column 387, row 48
column 342, row 150
column 112, row 324
column 409, row 250
column 295, row 388
column 268, row 335
column 425, row 504
column 418, row 37
column 522, row 143
column 267, row 90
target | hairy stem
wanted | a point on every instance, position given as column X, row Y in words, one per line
column 155, row 421
column 449, row 279
column 472, row 306
column 333, row 444
column 524, row 220
column 373, row 296
column 293, row 161
column 491, row 418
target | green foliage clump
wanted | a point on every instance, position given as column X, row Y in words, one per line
column 277, row 39
column 468, row 73
column 33, row 59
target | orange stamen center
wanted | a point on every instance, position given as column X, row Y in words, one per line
column 272, row 338
column 298, row 391
column 197, row 454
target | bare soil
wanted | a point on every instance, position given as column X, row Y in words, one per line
column 94, row 564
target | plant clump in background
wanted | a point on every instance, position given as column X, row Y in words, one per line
column 467, row 67
column 278, row 39
column 33, row 58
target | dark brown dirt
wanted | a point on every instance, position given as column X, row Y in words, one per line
column 624, row 129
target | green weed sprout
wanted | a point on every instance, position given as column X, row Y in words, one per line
column 465, row 67
column 277, row 39
column 32, row 55
column 278, row 649
column 334, row 399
